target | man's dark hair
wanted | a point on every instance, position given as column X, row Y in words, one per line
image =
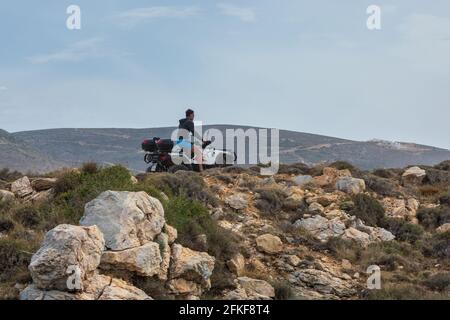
column 189, row 112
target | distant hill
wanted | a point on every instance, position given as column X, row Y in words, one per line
column 46, row 149
column 17, row 154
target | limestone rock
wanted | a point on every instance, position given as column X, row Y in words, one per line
column 171, row 232
column 237, row 201
column 191, row 265
column 32, row 292
column 79, row 248
column 269, row 244
column 330, row 175
column 144, row 260
column 350, row 185
column 316, row 207
column 293, row 202
column 184, row 287
column 99, row 287
column 413, row 175
column 325, row 282
column 380, row 234
column 164, row 246
column 301, row 180
column 376, row 234
column 254, row 287
column 400, row 208
column 336, row 213
column 236, row 264
column 120, row 290
column 127, row 219
column 293, row 260
column 354, row 234
column 41, row 196
column 346, row 264
column 6, row 196
column 42, row 184
column 321, row 227
column 444, row 228
column 134, row 180
column 22, row 187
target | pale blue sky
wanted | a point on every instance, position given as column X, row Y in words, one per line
column 309, row 66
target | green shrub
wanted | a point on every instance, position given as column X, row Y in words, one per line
column 368, row 209
column 388, row 255
column 73, row 190
column 6, row 225
column 429, row 191
column 316, row 170
column 8, row 175
column 14, row 260
column 89, row 167
column 347, row 205
column 403, row 231
column 444, row 199
column 438, row 282
column 295, row 168
column 183, row 183
column 342, row 165
column 67, row 182
column 385, row 173
column 431, row 218
column 283, row 291
column 270, row 200
column 402, row 291
column 382, row 186
column 444, row 165
column 27, row 215
column 438, row 246
column 191, row 219
column 344, row 249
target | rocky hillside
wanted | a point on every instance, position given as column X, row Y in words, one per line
column 305, row 233
column 72, row 147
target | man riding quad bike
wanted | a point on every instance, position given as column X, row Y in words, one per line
column 165, row 155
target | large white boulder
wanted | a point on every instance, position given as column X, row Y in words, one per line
column 144, row 260
column 66, row 250
column 127, row 219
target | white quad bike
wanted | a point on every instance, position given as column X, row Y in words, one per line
column 160, row 155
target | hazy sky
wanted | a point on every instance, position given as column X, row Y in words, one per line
column 310, row 66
